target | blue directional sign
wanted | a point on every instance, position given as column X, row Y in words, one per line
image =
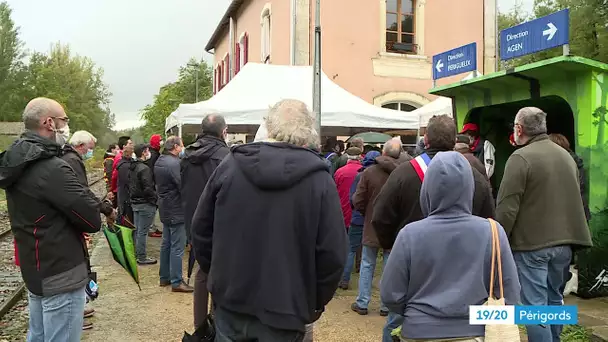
column 456, row 61
column 536, row 35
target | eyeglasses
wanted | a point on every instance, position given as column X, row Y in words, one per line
column 64, row 119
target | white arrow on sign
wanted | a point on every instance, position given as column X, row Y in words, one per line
column 550, row 31
column 439, row 66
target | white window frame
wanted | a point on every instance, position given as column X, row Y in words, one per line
column 242, row 51
column 399, row 103
column 266, row 34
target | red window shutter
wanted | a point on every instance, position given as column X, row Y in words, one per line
column 245, row 48
column 237, row 58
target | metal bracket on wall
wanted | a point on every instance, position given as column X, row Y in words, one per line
column 534, row 83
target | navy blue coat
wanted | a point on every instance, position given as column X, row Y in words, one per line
column 168, row 185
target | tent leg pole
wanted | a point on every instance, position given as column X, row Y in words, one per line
column 316, row 97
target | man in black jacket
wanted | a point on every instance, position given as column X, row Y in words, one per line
column 79, row 149
column 49, row 211
column 142, row 193
column 271, row 211
column 398, row 202
column 199, row 161
column 168, row 182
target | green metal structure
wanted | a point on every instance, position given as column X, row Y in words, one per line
column 573, row 91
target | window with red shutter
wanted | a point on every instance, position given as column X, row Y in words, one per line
column 226, row 64
column 221, row 75
column 237, row 58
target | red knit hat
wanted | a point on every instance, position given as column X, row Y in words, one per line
column 155, row 141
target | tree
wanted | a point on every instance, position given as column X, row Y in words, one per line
column 181, row 91
column 76, row 83
column 12, row 69
column 588, row 28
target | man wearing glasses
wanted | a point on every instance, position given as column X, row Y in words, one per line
column 49, row 211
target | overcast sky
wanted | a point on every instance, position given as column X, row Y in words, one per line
column 140, row 44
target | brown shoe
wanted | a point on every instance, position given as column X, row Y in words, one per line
column 343, row 285
column 164, row 283
column 183, row 287
column 87, row 326
column 357, row 309
column 89, row 312
column 156, row 234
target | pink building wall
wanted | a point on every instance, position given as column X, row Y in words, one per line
column 351, row 40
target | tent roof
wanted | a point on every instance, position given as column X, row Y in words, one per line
column 520, row 76
column 245, row 100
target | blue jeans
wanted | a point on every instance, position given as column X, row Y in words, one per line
column 172, row 252
column 393, row 321
column 355, row 235
column 144, row 218
column 366, row 275
column 231, row 326
column 56, row 318
column 541, row 275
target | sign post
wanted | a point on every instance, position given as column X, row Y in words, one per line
column 456, row 61
column 536, row 35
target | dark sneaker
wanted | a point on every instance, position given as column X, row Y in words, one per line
column 343, row 285
column 383, row 313
column 183, row 287
column 164, row 283
column 87, row 326
column 155, row 234
column 89, row 312
column 147, row 261
column 357, row 309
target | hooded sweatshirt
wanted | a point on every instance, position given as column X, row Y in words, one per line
column 154, row 150
column 200, row 160
column 271, row 211
column 440, row 265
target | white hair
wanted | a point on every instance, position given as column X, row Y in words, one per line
column 82, row 138
column 392, row 147
column 533, row 121
column 290, row 121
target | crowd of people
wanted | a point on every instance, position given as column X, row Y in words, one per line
column 276, row 226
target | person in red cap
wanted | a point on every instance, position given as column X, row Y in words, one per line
column 481, row 148
column 156, row 141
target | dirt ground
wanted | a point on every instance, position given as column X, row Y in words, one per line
column 123, row 313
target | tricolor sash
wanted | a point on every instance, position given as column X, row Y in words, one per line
column 420, row 164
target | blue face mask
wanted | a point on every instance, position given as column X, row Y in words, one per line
column 88, row 155
column 182, row 154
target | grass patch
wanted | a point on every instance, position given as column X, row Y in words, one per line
column 571, row 333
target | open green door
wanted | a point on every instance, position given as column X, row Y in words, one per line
column 573, row 91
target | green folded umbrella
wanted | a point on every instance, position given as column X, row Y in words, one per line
column 121, row 244
column 371, row 137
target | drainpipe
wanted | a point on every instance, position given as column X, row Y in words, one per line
column 231, row 49
column 293, row 33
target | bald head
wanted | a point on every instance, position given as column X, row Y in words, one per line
column 38, row 110
column 214, row 125
column 392, row 148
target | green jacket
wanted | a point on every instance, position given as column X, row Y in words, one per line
column 539, row 202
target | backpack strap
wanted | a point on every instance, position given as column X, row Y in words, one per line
column 420, row 164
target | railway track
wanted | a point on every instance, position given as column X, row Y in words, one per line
column 11, row 283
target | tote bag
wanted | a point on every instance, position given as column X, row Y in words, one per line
column 498, row 332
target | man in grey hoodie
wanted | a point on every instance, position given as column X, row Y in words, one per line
column 440, row 265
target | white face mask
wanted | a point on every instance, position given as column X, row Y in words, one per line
column 62, row 135
column 133, row 156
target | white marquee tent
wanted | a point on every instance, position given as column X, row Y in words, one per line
column 245, row 100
